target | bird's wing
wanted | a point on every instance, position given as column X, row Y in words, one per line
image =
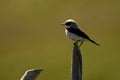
column 78, row 32
column 81, row 34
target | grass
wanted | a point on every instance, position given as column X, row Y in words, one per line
column 31, row 36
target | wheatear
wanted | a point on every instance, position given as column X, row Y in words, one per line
column 75, row 33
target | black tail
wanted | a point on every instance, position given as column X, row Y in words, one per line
column 94, row 42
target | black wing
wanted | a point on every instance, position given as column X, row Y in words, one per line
column 78, row 32
column 81, row 34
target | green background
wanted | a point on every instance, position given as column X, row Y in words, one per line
column 31, row 36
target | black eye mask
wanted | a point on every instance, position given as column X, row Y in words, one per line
column 68, row 23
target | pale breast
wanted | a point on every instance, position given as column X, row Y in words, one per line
column 73, row 36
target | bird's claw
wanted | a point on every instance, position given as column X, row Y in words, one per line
column 76, row 43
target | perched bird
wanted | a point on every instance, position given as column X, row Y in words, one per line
column 75, row 33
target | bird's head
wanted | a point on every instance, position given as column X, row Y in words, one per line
column 69, row 23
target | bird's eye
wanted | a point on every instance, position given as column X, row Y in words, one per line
column 68, row 23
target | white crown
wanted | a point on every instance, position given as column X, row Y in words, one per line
column 70, row 20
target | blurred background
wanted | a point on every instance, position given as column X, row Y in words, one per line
column 31, row 36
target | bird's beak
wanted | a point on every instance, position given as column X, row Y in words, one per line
column 63, row 23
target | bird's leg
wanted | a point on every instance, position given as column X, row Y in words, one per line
column 76, row 42
column 81, row 43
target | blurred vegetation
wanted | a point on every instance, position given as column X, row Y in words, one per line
column 31, row 36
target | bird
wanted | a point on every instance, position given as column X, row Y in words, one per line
column 75, row 33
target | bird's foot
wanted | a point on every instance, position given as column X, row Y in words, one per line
column 76, row 43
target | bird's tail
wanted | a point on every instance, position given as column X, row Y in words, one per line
column 94, row 42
